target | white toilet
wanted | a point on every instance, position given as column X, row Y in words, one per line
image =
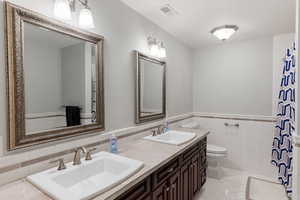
column 215, row 155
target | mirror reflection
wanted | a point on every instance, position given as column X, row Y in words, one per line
column 150, row 88
column 152, row 75
column 59, row 80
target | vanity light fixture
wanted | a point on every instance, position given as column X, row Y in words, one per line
column 157, row 49
column 63, row 10
column 224, row 32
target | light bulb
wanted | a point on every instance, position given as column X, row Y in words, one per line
column 162, row 51
column 86, row 18
column 62, row 9
column 154, row 50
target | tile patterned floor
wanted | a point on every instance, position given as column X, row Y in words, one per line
column 233, row 186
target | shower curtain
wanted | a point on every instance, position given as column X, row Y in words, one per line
column 282, row 151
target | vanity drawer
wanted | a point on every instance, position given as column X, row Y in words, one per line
column 165, row 172
column 138, row 192
column 190, row 152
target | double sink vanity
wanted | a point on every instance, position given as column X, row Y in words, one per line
column 150, row 169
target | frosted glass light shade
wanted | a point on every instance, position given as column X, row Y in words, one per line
column 162, row 51
column 224, row 32
column 62, row 9
column 86, row 19
column 154, row 50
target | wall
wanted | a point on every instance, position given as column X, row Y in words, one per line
column 241, row 144
column 42, row 71
column 234, row 78
column 73, row 75
column 241, row 79
column 124, row 31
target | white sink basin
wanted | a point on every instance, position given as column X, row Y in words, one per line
column 172, row 137
column 87, row 180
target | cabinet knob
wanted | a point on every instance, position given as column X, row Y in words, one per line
column 170, row 170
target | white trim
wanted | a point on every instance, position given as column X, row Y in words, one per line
column 139, row 128
column 296, row 140
column 43, row 115
column 235, row 116
column 151, row 110
column 86, row 115
column 54, row 114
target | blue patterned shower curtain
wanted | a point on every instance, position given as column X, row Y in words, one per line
column 282, row 152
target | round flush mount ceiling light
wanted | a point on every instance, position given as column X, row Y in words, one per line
column 224, row 32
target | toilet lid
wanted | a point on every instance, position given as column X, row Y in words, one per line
column 216, row 149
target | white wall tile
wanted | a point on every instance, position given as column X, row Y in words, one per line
column 249, row 146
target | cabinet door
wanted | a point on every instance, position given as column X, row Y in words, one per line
column 161, row 193
column 202, row 177
column 195, row 174
column 138, row 192
column 186, row 190
column 147, row 198
column 175, row 187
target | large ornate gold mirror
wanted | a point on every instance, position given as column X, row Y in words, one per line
column 150, row 88
column 54, row 78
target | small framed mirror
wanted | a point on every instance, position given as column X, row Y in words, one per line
column 150, row 88
column 54, row 78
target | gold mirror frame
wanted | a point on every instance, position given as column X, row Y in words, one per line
column 14, row 21
column 138, row 116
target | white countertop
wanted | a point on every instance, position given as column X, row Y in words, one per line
column 152, row 154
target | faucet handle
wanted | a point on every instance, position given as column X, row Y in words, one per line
column 61, row 164
column 88, row 155
column 154, row 133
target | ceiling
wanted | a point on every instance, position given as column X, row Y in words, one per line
column 196, row 18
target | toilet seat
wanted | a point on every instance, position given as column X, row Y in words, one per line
column 216, row 155
column 213, row 149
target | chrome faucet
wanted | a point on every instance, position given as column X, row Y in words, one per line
column 61, row 164
column 77, row 156
column 161, row 129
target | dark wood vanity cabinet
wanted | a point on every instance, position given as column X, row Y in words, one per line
column 170, row 189
column 190, row 176
column 179, row 179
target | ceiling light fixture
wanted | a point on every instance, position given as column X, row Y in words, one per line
column 224, row 32
column 64, row 8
